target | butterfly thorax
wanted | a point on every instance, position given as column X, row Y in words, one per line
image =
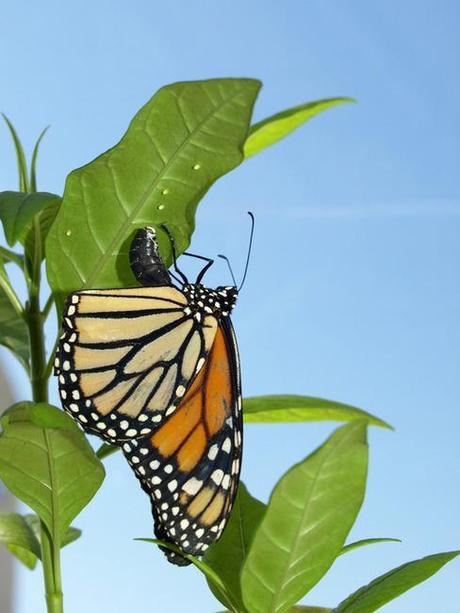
column 204, row 301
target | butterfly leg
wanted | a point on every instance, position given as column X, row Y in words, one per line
column 173, row 249
column 207, row 266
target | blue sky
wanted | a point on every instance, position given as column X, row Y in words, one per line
column 353, row 292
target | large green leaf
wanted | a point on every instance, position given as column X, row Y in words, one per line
column 18, row 209
column 305, row 609
column 226, row 556
column 310, row 512
column 21, row 534
column 287, row 409
column 269, row 131
column 13, row 329
column 268, row 409
column 366, row 542
column 394, row 583
column 179, row 143
column 53, row 470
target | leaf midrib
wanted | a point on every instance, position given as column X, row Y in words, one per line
column 53, row 484
column 240, row 529
column 119, row 235
column 18, row 214
column 283, row 581
column 243, row 549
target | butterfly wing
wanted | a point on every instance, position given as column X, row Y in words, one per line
column 126, row 357
column 190, row 465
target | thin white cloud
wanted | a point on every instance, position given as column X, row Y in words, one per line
column 419, row 208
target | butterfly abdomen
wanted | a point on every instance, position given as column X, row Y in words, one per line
column 145, row 260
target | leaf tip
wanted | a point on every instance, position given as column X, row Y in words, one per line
column 385, row 425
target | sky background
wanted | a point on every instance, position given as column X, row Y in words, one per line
column 353, row 291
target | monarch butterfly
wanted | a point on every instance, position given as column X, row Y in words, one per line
column 155, row 370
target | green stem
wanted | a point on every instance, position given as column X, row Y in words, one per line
column 37, row 351
column 10, row 256
column 50, row 543
column 54, row 602
column 48, row 304
column 6, row 286
column 35, row 321
column 54, row 598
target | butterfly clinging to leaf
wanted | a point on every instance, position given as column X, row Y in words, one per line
column 155, row 370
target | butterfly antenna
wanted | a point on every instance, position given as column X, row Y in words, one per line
column 247, row 258
column 251, row 236
column 224, row 257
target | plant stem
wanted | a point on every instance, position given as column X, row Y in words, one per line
column 35, row 321
column 48, row 304
column 50, row 543
column 54, row 602
column 10, row 256
column 37, row 350
column 6, row 286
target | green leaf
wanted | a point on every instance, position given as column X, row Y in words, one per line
column 7, row 288
column 33, row 165
column 202, row 566
column 14, row 333
column 70, row 536
column 290, row 409
column 45, row 221
column 18, row 209
column 20, row 156
column 226, row 557
column 305, row 609
column 23, row 555
column 269, row 409
column 53, row 469
column 105, row 450
column 16, row 531
column 269, row 131
column 389, row 586
column 46, row 416
column 180, row 142
column 365, row 542
column 21, row 535
column 310, row 512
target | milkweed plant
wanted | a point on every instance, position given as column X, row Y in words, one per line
column 271, row 554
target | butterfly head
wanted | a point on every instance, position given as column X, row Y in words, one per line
column 227, row 296
column 218, row 302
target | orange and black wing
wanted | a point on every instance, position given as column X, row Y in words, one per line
column 190, row 465
column 127, row 356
